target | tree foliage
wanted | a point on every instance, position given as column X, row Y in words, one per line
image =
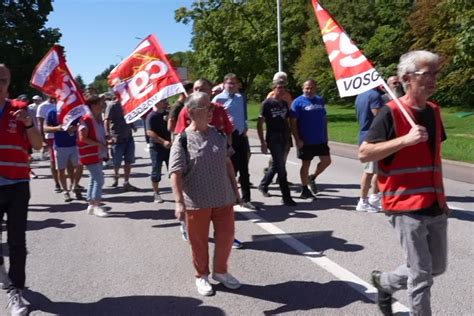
column 24, row 39
column 240, row 37
column 100, row 83
column 447, row 28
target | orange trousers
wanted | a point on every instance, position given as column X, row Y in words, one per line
column 198, row 224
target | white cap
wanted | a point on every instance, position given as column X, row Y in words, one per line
column 281, row 75
column 37, row 97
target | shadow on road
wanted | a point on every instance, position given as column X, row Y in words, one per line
column 49, row 223
column 319, row 241
column 126, row 305
column 164, row 214
column 279, row 213
column 462, row 215
column 302, row 295
column 56, row 208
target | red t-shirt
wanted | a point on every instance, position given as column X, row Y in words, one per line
column 220, row 120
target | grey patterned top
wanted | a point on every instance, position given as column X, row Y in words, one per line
column 205, row 179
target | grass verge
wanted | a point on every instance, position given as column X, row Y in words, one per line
column 343, row 128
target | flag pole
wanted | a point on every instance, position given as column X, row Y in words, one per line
column 400, row 106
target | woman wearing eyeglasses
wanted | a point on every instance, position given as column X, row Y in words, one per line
column 205, row 191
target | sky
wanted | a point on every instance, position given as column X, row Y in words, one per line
column 99, row 33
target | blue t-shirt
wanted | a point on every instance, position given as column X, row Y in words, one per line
column 62, row 138
column 364, row 103
column 311, row 116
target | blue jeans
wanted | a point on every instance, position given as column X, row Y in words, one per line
column 123, row 151
column 158, row 155
column 94, row 192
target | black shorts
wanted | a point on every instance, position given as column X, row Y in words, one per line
column 308, row 152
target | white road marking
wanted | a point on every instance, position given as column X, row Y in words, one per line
column 319, row 259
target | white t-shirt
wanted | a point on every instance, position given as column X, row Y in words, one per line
column 42, row 112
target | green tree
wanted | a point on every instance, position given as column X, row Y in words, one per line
column 100, row 83
column 184, row 59
column 447, row 28
column 240, row 37
column 24, row 39
column 80, row 82
column 378, row 28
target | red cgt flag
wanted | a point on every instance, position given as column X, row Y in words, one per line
column 144, row 78
column 53, row 77
column 354, row 73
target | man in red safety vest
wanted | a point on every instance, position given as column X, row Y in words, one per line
column 411, row 182
column 17, row 136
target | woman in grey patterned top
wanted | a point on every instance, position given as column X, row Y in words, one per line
column 205, row 191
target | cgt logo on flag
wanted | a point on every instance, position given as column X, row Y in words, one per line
column 354, row 73
column 143, row 79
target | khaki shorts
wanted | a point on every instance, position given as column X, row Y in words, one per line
column 370, row 167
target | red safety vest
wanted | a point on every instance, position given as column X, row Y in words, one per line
column 14, row 146
column 414, row 179
column 88, row 154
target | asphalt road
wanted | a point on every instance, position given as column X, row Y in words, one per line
column 314, row 259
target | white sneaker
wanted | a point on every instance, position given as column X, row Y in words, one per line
column 4, row 279
column 158, row 198
column 376, row 200
column 203, row 286
column 100, row 212
column 364, row 206
column 15, row 303
column 227, row 280
column 90, row 209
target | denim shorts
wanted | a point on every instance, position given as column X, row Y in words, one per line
column 123, row 151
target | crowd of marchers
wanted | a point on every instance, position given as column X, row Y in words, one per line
column 203, row 141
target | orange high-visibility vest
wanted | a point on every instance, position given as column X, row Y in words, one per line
column 414, row 179
column 14, row 146
column 89, row 154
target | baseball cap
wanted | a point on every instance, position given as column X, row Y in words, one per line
column 37, row 97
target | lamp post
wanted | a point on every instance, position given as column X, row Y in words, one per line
column 280, row 58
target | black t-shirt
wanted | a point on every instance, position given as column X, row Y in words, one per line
column 275, row 112
column 383, row 129
column 157, row 122
column 175, row 109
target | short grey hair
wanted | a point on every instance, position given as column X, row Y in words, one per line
column 410, row 62
column 196, row 99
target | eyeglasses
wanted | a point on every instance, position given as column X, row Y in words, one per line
column 426, row 73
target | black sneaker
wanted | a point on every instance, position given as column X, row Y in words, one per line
column 115, row 183
column 78, row 194
column 129, row 188
column 289, row 202
column 57, row 188
column 384, row 299
column 312, row 184
column 264, row 191
column 251, row 206
column 306, row 194
column 67, row 197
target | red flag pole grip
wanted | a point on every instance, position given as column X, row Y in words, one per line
column 402, row 108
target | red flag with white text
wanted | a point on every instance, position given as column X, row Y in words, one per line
column 144, row 78
column 354, row 73
column 53, row 77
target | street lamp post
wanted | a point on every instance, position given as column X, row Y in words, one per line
column 280, row 58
